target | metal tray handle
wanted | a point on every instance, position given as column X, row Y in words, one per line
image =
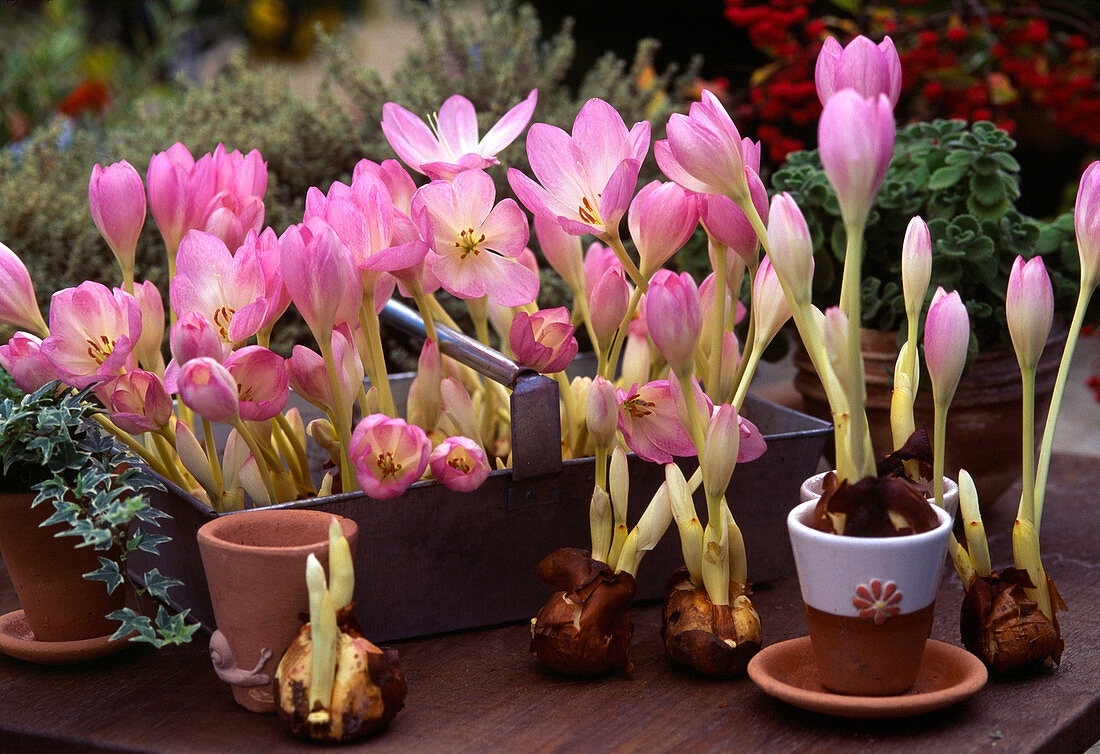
column 536, row 418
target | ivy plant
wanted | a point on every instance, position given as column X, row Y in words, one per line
column 49, row 443
column 963, row 180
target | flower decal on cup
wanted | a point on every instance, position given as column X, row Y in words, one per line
column 877, row 601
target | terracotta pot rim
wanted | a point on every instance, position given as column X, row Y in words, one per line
column 211, row 535
column 794, row 520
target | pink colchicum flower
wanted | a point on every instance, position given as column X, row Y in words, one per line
column 459, row 464
column 543, row 341
column 321, row 277
column 193, row 336
column 562, row 250
column 22, row 358
column 451, row 145
column 855, row 138
column 674, row 317
column 726, row 223
column 650, row 424
column 237, row 206
column 179, row 191
column 607, row 305
column 723, row 441
column 208, row 389
column 1086, row 223
column 309, row 378
column 474, row 242
column 662, row 218
column 916, row 262
column 93, row 331
column 597, row 260
column 365, row 219
column 602, row 412
column 388, row 455
column 946, row 339
column 229, row 291
column 790, row 247
column 261, row 379
column 147, row 350
column 18, row 306
column 1029, row 309
column 137, row 401
column 704, row 152
column 771, row 309
column 586, row 179
column 867, row 68
column 116, row 197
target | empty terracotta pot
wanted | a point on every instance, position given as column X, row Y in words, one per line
column 48, row 575
column 255, row 563
column 869, row 602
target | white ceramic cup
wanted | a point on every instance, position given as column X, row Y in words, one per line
column 811, row 490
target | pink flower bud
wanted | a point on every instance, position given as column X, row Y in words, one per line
column 149, row 301
column 946, row 339
column 23, row 360
column 207, row 388
column 1086, row 222
column 597, row 260
column 308, row 377
column 727, row 223
column 867, row 68
column 18, row 307
column 261, row 380
column 459, row 464
column 790, row 248
column 662, row 218
column 770, row 307
column 321, row 277
column 602, row 412
column 116, row 197
column 138, row 402
column 855, row 138
column 916, row 263
column 1029, row 309
column 673, row 315
column 544, row 340
column 179, row 191
column 388, row 455
column 723, row 440
column 193, row 336
column 607, row 305
column 704, row 151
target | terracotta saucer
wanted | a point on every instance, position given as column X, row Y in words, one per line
column 947, row 675
column 17, row 640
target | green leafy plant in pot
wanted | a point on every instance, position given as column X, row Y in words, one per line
column 64, row 478
column 963, row 180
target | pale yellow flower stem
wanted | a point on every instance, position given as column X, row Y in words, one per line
column 425, row 309
column 343, row 421
column 612, row 361
column 717, row 323
column 300, row 458
column 570, row 409
column 961, row 559
column 368, row 320
column 1026, row 510
column 261, row 460
column 741, row 387
column 859, row 431
column 1056, row 401
column 612, row 239
column 939, row 448
column 740, row 376
column 212, row 458
column 138, row 449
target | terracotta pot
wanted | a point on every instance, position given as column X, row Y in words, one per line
column 812, row 487
column 255, row 563
column 48, row 575
column 869, row 602
column 984, row 421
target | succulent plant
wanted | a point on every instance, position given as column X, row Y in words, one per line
column 963, row 180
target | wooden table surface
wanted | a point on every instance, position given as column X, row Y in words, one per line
column 482, row 691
